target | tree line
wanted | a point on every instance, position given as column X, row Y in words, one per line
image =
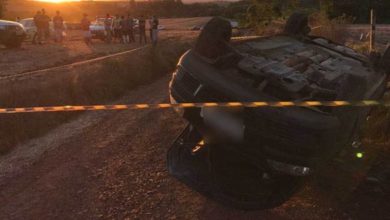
column 176, row 8
column 360, row 9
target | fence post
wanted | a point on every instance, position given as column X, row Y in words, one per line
column 372, row 32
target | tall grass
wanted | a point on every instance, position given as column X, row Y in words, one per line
column 333, row 29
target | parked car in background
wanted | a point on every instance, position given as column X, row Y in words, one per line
column 12, row 34
column 31, row 28
column 97, row 29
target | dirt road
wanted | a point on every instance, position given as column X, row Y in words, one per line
column 111, row 165
column 32, row 57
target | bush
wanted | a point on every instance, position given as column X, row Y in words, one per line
column 333, row 29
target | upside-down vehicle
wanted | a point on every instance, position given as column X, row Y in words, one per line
column 257, row 158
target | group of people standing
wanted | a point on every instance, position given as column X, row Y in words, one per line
column 42, row 24
column 123, row 28
column 117, row 28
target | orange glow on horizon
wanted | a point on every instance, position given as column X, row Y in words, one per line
column 57, row 1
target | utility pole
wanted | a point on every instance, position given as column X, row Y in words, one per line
column 372, row 32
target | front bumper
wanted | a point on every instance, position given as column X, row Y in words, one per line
column 98, row 34
column 224, row 177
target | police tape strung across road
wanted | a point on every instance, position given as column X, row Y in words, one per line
column 280, row 104
column 29, row 73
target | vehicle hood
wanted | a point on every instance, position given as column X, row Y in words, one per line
column 10, row 23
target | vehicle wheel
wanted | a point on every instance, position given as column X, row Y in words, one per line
column 297, row 24
column 16, row 43
column 212, row 41
column 247, row 186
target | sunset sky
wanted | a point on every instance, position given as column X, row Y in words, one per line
column 59, row 1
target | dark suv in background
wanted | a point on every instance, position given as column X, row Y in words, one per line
column 12, row 34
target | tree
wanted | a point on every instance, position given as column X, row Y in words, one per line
column 3, row 4
column 262, row 12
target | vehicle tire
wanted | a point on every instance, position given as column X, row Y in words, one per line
column 296, row 24
column 16, row 43
column 212, row 41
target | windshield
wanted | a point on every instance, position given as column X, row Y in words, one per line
column 100, row 21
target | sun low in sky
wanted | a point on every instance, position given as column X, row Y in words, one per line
column 58, row 1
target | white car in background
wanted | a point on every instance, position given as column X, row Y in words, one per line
column 31, row 28
column 12, row 34
column 97, row 28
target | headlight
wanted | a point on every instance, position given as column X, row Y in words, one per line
column 20, row 30
column 180, row 111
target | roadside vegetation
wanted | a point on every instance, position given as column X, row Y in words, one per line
column 92, row 84
column 72, row 11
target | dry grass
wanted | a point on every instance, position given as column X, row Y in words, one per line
column 333, row 29
column 90, row 84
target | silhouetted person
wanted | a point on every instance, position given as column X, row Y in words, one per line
column 38, row 25
column 117, row 28
column 85, row 23
column 108, row 28
column 154, row 30
column 45, row 24
column 59, row 27
column 131, row 28
column 124, row 29
column 142, row 30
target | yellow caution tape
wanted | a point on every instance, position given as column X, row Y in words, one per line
column 278, row 104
